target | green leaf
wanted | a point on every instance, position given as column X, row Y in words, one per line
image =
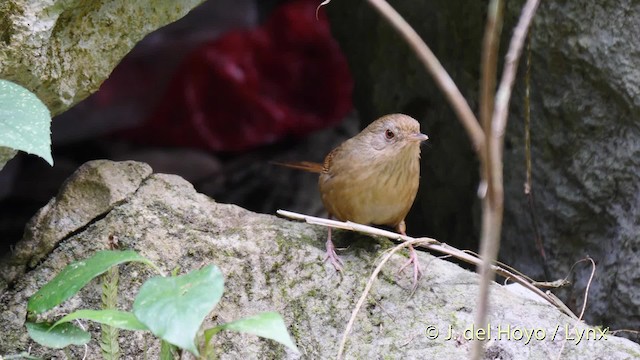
column 58, row 337
column 174, row 308
column 168, row 351
column 76, row 275
column 25, row 122
column 269, row 325
column 116, row 318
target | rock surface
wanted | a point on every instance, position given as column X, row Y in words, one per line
column 585, row 96
column 62, row 50
column 5, row 155
column 585, row 131
column 275, row 264
column 92, row 191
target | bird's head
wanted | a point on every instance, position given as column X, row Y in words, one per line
column 396, row 132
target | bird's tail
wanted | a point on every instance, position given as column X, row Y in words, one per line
column 302, row 165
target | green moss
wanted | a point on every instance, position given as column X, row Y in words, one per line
column 299, row 317
column 307, row 239
column 227, row 253
column 7, row 8
column 274, row 351
column 247, row 284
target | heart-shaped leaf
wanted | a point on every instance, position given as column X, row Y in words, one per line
column 173, row 308
column 25, row 122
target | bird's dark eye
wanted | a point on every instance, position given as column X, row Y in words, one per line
column 389, row 134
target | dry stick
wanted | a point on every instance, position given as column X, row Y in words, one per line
column 490, row 45
column 366, row 291
column 528, row 185
column 433, row 66
column 494, row 202
column 584, row 303
column 511, row 66
column 491, row 225
column 428, row 244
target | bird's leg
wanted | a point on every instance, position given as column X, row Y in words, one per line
column 413, row 257
column 331, row 253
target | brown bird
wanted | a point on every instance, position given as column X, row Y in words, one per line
column 372, row 178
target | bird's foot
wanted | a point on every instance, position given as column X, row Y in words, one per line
column 413, row 259
column 332, row 256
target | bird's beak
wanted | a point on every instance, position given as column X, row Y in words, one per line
column 418, row 137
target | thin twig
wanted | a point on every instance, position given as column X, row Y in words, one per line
column 490, row 170
column 527, row 119
column 493, row 204
column 586, row 290
column 584, row 303
column 440, row 75
column 528, row 185
column 490, row 45
column 366, row 291
column 428, row 244
column 503, row 95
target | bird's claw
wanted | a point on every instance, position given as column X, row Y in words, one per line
column 413, row 258
column 332, row 256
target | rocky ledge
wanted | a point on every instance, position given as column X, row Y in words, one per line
column 271, row 264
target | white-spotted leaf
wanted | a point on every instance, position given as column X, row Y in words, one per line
column 25, row 122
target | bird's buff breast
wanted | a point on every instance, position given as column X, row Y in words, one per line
column 379, row 194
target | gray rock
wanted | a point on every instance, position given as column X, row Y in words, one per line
column 276, row 264
column 586, row 157
column 585, row 98
column 10, row 172
column 62, row 50
column 92, row 191
column 6, row 154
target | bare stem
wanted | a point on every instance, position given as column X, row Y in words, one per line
column 440, row 75
column 489, row 65
column 528, row 185
column 493, row 204
column 503, row 95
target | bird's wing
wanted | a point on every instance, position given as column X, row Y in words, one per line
column 328, row 160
